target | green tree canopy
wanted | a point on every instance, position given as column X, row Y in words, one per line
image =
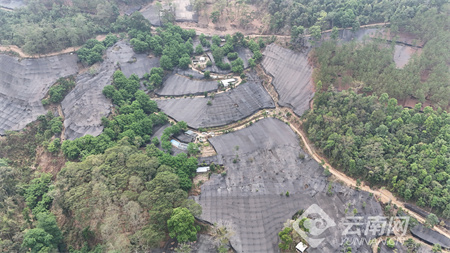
column 46, row 237
column 181, row 225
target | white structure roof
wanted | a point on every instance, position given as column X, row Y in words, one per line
column 202, row 169
column 301, row 247
column 179, row 145
column 227, row 82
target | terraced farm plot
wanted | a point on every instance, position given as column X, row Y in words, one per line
column 431, row 237
column 184, row 11
column 139, row 64
column 179, row 85
column 245, row 54
column 214, row 68
column 225, row 108
column 151, row 13
column 25, row 82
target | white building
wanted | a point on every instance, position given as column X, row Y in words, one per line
column 202, row 169
column 227, row 82
column 301, row 247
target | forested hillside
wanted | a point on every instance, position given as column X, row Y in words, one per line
column 378, row 141
column 122, row 196
column 324, row 15
column 370, row 66
column 44, row 26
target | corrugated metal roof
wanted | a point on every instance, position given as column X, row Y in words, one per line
column 175, row 143
column 227, row 82
column 179, row 145
column 202, row 169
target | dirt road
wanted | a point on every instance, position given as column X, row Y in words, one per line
column 22, row 54
column 5, row 9
column 101, row 37
column 383, row 195
column 326, row 31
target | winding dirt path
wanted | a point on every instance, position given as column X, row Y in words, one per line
column 308, row 35
column 22, row 54
column 382, row 195
column 101, row 37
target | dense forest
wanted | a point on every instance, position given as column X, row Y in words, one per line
column 369, row 65
column 368, row 135
column 44, row 26
column 342, row 13
column 375, row 139
column 124, row 190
